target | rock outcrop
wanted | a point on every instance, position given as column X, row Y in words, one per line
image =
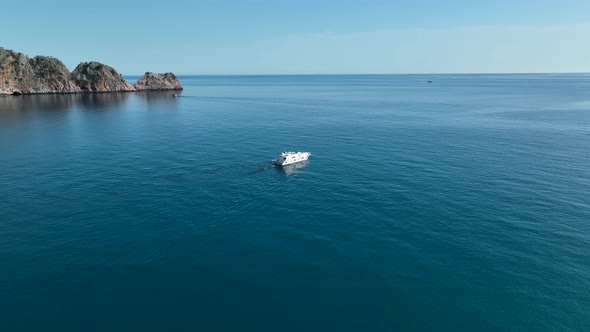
column 154, row 81
column 20, row 74
column 97, row 77
column 53, row 75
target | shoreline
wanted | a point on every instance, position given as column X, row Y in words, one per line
column 82, row 92
column 22, row 75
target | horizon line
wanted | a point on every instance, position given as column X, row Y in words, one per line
column 389, row 74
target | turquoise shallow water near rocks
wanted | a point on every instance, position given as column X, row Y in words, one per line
column 458, row 205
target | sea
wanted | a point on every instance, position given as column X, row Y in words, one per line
column 457, row 205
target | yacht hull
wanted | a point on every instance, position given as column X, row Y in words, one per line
column 289, row 158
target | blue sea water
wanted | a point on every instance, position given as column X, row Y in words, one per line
column 460, row 205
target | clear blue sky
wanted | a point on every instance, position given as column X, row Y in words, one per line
column 304, row 36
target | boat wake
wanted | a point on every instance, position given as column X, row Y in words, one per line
column 265, row 166
column 244, row 169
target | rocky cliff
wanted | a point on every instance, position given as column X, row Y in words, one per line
column 52, row 75
column 97, row 77
column 20, row 74
column 153, row 81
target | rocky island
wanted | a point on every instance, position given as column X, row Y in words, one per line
column 20, row 74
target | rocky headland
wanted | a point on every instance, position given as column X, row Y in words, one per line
column 97, row 77
column 20, row 74
column 153, row 81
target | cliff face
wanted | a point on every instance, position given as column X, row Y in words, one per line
column 153, row 81
column 20, row 74
column 97, row 77
column 53, row 75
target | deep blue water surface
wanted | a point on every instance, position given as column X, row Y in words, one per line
column 460, row 205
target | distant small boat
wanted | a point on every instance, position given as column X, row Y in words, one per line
column 428, row 81
column 174, row 95
column 291, row 157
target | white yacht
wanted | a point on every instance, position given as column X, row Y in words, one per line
column 291, row 157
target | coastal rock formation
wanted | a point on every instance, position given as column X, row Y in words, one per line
column 154, row 81
column 97, row 77
column 53, row 75
column 20, row 74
